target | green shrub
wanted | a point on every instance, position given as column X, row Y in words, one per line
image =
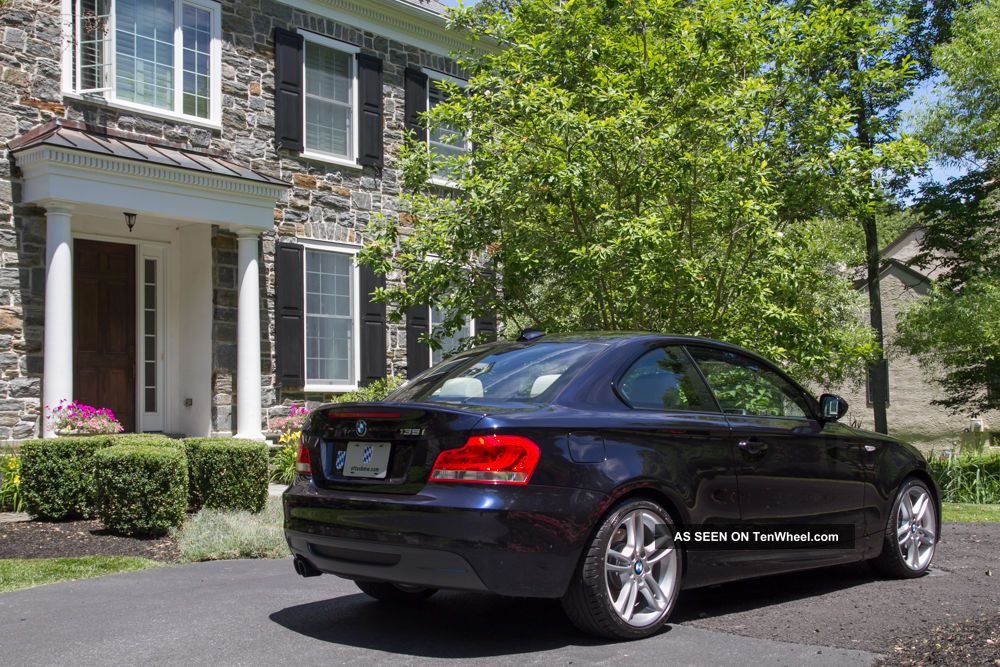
column 57, row 476
column 217, row 534
column 142, row 490
column 373, row 393
column 228, row 473
column 968, row 479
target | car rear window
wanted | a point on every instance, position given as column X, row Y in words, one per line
column 503, row 373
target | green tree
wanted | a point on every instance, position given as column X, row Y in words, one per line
column 955, row 332
column 657, row 165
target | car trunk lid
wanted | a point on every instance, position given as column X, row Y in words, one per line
column 383, row 447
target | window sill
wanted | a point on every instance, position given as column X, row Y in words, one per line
column 330, row 159
column 144, row 110
column 329, row 388
column 446, row 183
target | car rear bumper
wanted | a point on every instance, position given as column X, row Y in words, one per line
column 518, row 541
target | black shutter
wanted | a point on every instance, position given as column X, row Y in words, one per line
column 372, row 328
column 289, row 315
column 487, row 325
column 288, row 47
column 418, row 354
column 415, row 102
column 370, row 92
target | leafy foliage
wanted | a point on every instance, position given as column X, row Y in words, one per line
column 657, row 166
column 968, row 479
column 283, row 463
column 955, row 332
column 373, row 393
column 141, row 490
column 228, row 473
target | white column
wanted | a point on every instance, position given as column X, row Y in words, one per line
column 248, row 376
column 57, row 378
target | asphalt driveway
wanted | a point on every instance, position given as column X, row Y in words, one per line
column 259, row 612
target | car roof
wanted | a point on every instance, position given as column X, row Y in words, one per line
column 624, row 337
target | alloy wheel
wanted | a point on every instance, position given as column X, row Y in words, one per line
column 641, row 565
column 916, row 527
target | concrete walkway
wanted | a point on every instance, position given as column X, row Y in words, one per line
column 260, row 612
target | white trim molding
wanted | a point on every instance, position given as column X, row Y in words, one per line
column 395, row 20
column 77, row 177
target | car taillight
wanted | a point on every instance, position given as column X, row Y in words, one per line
column 303, row 465
column 488, row 459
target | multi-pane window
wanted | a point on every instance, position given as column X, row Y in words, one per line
column 329, row 100
column 329, row 318
column 149, row 335
column 158, row 54
column 144, row 52
column 451, row 343
column 445, row 141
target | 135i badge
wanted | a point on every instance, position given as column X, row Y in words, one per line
column 411, row 431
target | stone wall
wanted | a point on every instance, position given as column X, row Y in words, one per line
column 326, row 202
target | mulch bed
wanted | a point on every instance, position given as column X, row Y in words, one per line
column 68, row 539
column 972, row 642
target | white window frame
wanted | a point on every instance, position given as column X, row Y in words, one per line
column 352, row 50
column 434, row 75
column 471, row 321
column 70, row 66
column 354, row 362
column 151, row 420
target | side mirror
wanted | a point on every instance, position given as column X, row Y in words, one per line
column 832, row 407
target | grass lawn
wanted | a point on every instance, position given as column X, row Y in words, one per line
column 18, row 573
column 968, row 512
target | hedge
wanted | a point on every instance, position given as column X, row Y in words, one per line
column 227, row 473
column 141, row 489
column 57, row 475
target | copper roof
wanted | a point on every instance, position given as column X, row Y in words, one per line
column 79, row 136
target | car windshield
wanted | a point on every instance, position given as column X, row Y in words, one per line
column 500, row 374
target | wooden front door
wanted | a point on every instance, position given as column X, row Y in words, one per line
column 104, row 327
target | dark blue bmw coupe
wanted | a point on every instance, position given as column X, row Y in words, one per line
column 572, row 466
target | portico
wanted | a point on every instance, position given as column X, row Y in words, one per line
column 128, row 313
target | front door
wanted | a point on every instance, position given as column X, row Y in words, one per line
column 104, row 327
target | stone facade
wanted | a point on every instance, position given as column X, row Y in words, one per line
column 326, row 202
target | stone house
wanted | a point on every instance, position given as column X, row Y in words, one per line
column 911, row 414
column 185, row 186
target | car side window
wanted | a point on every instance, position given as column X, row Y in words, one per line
column 664, row 379
column 745, row 387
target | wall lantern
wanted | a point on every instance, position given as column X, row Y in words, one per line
column 130, row 221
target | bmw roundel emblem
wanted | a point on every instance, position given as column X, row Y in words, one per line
column 361, row 427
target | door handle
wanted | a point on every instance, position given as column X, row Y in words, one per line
column 752, row 446
column 870, row 448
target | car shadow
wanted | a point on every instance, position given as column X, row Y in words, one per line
column 475, row 625
column 448, row 625
column 762, row 592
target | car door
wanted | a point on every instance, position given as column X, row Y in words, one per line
column 790, row 469
column 684, row 442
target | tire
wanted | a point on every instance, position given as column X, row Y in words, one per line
column 610, row 569
column 399, row 594
column 906, row 552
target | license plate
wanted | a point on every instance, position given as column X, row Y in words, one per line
column 367, row 459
